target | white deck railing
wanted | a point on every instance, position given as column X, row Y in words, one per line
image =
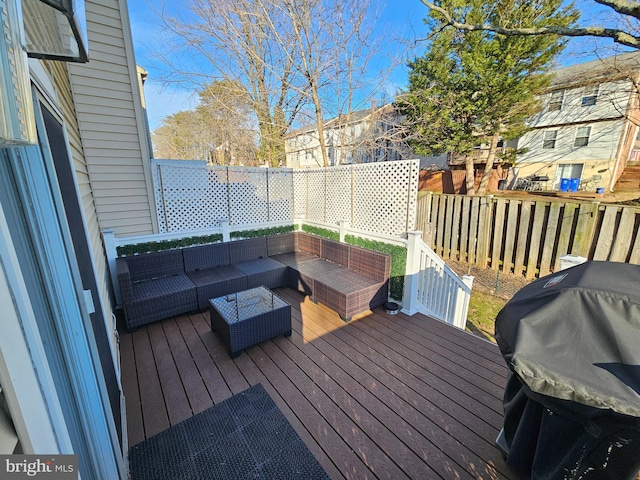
column 432, row 288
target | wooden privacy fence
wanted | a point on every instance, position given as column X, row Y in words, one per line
column 527, row 237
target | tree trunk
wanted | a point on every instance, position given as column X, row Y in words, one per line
column 471, row 175
column 491, row 158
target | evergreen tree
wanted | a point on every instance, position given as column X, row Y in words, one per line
column 477, row 87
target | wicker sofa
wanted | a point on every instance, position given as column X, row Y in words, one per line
column 346, row 278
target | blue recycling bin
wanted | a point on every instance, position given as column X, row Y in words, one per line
column 574, row 184
column 565, row 183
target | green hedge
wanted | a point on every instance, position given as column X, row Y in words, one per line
column 167, row 244
column 398, row 261
column 263, row 232
column 322, row 232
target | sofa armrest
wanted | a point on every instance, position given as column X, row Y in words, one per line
column 124, row 279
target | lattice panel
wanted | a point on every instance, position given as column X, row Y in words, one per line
column 300, row 188
column 248, row 196
column 280, row 194
column 185, row 201
column 339, row 194
column 385, row 197
column 316, row 194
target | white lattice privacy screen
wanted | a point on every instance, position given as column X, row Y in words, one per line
column 374, row 197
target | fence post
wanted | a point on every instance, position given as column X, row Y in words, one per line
column 226, row 230
column 110, row 247
column 410, row 301
column 343, row 224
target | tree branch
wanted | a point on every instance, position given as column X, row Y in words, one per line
column 618, row 36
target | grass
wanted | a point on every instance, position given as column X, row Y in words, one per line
column 483, row 308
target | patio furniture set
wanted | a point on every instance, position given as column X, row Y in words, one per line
column 232, row 280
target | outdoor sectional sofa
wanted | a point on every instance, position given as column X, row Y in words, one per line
column 345, row 278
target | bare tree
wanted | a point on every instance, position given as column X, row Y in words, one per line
column 220, row 130
column 288, row 55
column 628, row 10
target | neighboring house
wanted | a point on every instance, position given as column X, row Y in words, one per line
column 588, row 126
column 371, row 135
column 60, row 381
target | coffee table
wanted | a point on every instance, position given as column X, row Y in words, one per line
column 249, row 317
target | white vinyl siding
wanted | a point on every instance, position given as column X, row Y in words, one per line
column 111, row 125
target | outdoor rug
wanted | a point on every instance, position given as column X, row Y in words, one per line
column 244, row 437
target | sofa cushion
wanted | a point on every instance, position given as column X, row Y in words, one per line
column 161, row 287
column 279, row 244
column 206, row 256
column 218, row 281
column 264, row 271
column 335, row 252
column 249, row 249
column 293, row 259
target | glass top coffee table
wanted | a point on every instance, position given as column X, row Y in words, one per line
column 249, row 317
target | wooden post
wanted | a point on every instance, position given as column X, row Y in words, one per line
column 343, row 225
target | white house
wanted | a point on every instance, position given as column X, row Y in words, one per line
column 371, row 135
column 74, row 160
column 588, row 126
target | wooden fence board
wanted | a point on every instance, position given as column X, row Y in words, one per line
column 440, row 229
column 536, row 240
column 584, row 229
column 455, row 234
column 473, row 230
column 635, row 251
column 566, row 227
column 523, row 236
column 549, row 239
column 484, row 227
column 621, row 243
column 510, row 239
column 605, row 237
column 448, row 222
column 498, row 228
column 464, row 229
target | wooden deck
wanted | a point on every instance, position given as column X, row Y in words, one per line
column 381, row 397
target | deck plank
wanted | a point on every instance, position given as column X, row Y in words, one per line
column 154, row 410
column 380, row 397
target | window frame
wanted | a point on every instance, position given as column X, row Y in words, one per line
column 546, row 141
column 578, row 137
column 590, row 95
column 556, row 105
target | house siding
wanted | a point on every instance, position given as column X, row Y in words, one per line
column 111, row 124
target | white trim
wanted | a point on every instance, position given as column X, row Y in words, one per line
column 24, row 369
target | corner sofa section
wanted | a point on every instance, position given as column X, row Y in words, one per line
column 345, row 278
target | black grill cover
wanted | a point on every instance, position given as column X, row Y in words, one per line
column 572, row 343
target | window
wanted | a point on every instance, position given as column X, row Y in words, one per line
column 549, row 140
column 556, row 100
column 589, row 95
column 582, row 137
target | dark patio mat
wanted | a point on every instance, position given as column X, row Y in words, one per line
column 246, row 436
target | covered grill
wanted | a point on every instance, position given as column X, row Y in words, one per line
column 571, row 341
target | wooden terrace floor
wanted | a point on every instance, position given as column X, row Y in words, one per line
column 381, row 397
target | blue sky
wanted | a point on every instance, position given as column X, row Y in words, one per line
column 400, row 19
column 403, row 18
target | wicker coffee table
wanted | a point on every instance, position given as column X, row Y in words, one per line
column 249, row 317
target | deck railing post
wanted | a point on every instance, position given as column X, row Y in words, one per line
column 343, row 225
column 226, row 229
column 410, row 302
column 462, row 303
column 111, row 250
